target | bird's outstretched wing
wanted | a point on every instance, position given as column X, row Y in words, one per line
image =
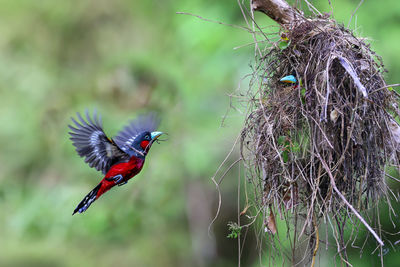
column 92, row 143
column 143, row 123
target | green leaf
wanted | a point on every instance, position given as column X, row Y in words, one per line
column 295, row 147
column 234, row 229
column 285, row 156
column 303, row 92
column 281, row 140
column 283, row 44
column 303, row 95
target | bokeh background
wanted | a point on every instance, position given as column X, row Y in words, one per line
column 122, row 58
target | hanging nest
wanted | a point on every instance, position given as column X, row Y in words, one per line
column 319, row 149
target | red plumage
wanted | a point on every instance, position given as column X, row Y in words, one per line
column 127, row 169
column 120, row 160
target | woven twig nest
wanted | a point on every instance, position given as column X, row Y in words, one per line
column 319, row 149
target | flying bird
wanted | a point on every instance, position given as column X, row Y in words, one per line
column 120, row 158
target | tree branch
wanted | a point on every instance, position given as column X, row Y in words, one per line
column 278, row 10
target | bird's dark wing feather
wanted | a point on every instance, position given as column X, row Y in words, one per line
column 143, row 123
column 92, row 143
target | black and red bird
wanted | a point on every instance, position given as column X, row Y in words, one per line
column 119, row 158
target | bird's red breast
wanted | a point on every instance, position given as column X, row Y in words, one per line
column 126, row 169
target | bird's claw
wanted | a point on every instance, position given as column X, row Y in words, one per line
column 117, row 178
column 123, row 183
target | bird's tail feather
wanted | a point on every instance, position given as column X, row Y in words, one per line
column 88, row 200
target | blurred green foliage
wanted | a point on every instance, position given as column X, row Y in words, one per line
column 122, row 58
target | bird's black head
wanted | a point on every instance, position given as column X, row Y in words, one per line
column 143, row 141
column 137, row 138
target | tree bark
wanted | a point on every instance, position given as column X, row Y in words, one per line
column 278, row 10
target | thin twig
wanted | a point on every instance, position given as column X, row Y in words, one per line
column 386, row 86
column 333, row 184
column 218, row 183
column 215, row 21
column 316, row 240
column 354, row 12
